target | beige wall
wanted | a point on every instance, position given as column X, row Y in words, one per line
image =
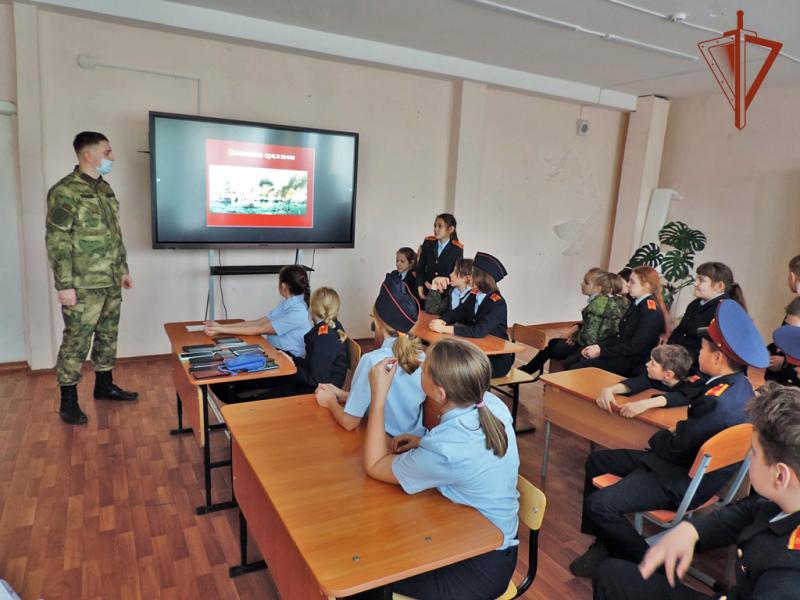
column 742, row 188
column 8, row 88
column 534, row 171
column 537, row 173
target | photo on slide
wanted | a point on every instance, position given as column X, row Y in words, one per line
column 259, row 185
column 257, row 191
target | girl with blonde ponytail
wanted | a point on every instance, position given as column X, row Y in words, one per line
column 325, row 361
column 395, row 313
column 470, row 457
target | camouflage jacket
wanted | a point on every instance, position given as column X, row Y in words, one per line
column 84, row 239
column 600, row 320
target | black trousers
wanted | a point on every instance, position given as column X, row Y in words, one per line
column 501, row 364
column 604, row 510
column 481, row 578
column 640, row 489
column 621, row 580
column 557, row 348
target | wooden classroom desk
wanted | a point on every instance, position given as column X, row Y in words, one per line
column 324, row 527
column 569, row 402
column 490, row 344
column 191, row 395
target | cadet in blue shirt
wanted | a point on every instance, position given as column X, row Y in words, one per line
column 286, row 324
column 470, row 456
column 395, row 313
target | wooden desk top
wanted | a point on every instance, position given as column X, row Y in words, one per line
column 312, row 472
column 588, row 383
column 180, row 337
column 490, row 344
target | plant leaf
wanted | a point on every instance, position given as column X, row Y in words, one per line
column 649, row 255
column 676, row 265
column 679, row 235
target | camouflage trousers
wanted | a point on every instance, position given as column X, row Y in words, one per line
column 96, row 315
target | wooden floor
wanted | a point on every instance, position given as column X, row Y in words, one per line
column 106, row 510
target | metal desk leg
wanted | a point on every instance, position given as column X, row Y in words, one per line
column 208, row 465
column 244, row 566
column 514, row 408
column 546, row 448
column 180, row 429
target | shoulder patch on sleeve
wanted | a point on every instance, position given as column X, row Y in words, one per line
column 693, row 378
column 495, row 297
column 61, row 218
column 457, row 243
column 430, row 238
column 323, row 329
column 651, row 304
column 794, row 540
column 718, row 390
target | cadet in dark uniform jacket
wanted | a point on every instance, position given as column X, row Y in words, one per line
column 658, row 477
column 483, row 313
column 714, row 282
column 437, row 258
column 668, row 373
column 325, row 359
column 766, row 530
column 698, row 314
column 639, row 330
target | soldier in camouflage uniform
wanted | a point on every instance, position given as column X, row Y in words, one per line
column 88, row 258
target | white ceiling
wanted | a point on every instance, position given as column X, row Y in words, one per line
column 462, row 29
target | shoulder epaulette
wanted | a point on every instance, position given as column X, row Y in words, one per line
column 323, row 329
column 457, row 243
column 693, row 378
column 651, row 304
column 474, row 291
column 718, row 390
column 495, row 297
column 430, row 238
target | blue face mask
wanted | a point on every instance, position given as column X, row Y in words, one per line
column 105, row 166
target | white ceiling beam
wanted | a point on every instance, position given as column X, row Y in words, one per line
column 204, row 20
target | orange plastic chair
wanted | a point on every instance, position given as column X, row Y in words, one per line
column 726, row 448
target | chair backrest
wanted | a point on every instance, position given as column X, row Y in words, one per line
column 728, row 447
column 529, row 335
column 353, row 353
column 532, row 503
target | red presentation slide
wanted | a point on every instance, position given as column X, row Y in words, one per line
column 259, row 185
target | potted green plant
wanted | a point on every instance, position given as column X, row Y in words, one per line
column 673, row 256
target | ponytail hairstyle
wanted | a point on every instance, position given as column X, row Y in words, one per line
column 410, row 255
column 450, row 221
column 484, row 282
column 325, row 306
column 407, row 349
column 651, row 277
column 463, row 371
column 719, row 272
column 296, row 280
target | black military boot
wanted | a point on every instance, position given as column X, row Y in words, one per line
column 104, row 388
column 70, row 411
